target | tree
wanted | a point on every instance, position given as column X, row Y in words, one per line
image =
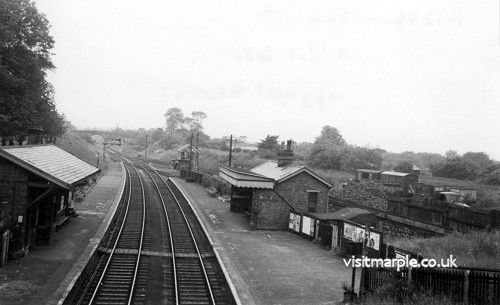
column 174, row 119
column 478, row 160
column 356, row 157
column 195, row 122
column 26, row 98
column 404, row 167
column 451, row 154
column 328, row 149
column 453, row 168
column 330, row 136
column 269, row 143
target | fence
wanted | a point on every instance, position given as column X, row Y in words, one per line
column 461, row 219
column 460, row 285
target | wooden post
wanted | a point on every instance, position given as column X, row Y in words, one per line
column 466, row 287
column 146, row 151
column 363, row 253
column 353, row 278
column 409, row 275
column 230, row 149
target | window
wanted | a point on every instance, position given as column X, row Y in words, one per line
column 312, row 201
column 365, row 176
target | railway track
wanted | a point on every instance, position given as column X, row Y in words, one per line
column 154, row 252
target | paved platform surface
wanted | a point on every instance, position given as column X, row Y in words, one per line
column 268, row 267
column 41, row 276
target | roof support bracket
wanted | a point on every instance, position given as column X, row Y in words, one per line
column 42, row 196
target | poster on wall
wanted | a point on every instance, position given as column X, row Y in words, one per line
column 373, row 241
column 354, row 233
column 348, row 231
column 360, row 235
column 308, row 226
column 294, row 222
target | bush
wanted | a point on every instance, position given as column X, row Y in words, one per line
column 399, row 291
column 474, row 249
column 492, row 178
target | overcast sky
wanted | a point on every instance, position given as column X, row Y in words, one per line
column 399, row 75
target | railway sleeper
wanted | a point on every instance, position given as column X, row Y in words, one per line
column 154, row 253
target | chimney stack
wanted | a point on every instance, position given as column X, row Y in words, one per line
column 285, row 155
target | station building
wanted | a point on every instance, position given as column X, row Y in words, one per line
column 37, row 183
column 268, row 192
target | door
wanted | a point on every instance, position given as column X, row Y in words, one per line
column 312, row 201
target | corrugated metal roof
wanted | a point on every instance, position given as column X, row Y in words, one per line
column 391, row 173
column 271, row 170
column 342, row 214
column 373, row 171
column 49, row 162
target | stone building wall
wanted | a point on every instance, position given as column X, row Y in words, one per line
column 294, row 190
column 269, row 211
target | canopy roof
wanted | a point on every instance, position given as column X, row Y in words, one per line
column 50, row 162
column 342, row 214
column 243, row 178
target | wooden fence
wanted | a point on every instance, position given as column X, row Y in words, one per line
column 460, row 285
column 459, row 219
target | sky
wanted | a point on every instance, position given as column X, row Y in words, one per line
column 396, row 74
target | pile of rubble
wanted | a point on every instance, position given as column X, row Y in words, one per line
column 372, row 195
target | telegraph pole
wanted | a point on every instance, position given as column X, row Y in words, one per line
column 191, row 153
column 230, row 149
column 146, row 151
column 197, row 150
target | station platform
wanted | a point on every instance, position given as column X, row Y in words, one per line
column 268, row 267
column 43, row 276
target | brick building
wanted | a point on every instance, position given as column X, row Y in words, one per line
column 268, row 192
column 36, row 187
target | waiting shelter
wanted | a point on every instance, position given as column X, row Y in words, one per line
column 37, row 183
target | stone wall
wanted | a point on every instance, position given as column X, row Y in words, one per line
column 294, row 190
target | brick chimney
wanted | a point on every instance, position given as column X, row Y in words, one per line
column 285, row 154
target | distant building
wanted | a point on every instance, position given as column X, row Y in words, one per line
column 415, row 170
column 268, row 192
column 404, row 181
column 368, row 175
column 184, row 158
column 37, row 184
